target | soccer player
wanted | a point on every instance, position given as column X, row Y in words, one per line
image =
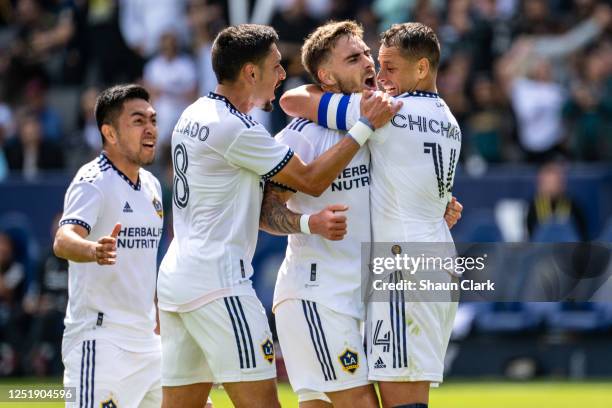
column 109, row 233
column 213, row 327
column 320, row 281
column 413, row 164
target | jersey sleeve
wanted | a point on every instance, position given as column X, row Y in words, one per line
column 82, row 205
column 255, row 150
column 337, row 111
column 298, row 143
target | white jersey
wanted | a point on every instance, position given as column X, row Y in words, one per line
column 114, row 302
column 316, row 269
column 220, row 156
column 414, row 158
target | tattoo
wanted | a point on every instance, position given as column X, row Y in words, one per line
column 275, row 218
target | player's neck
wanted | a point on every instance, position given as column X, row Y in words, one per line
column 238, row 95
column 122, row 164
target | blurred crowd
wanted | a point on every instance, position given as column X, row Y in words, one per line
column 527, row 80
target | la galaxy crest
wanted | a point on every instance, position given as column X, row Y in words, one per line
column 267, row 348
column 159, row 208
column 109, row 403
column 349, row 360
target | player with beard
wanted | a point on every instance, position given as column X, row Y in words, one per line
column 213, row 327
column 317, row 303
column 413, row 165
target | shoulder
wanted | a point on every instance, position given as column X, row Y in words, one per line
column 148, row 177
column 299, row 124
column 94, row 172
column 229, row 116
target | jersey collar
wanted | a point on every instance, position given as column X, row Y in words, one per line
column 103, row 160
column 218, row 97
column 419, row 93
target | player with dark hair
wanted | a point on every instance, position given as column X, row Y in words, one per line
column 213, row 327
column 109, row 233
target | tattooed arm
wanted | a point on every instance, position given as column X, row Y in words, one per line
column 275, row 218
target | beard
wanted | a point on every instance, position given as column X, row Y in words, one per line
column 268, row 106
column 348, row 87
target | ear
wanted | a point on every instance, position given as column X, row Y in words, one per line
column 109, row 134
column 423, row 68
column 249, row 72
column 326, row 77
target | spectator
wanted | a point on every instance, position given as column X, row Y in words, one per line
column 552, row 203
column 45, row 336
column 171, row 79
column 36, row 101
column 37, row 49
column 12, row 292
column 87, row 137
column 143, row 25
column 589, row 109
column 205, row 21
column 536, row 100
column 487, row 124
column 30, row 152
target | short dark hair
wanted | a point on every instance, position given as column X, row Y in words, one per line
column 414, row 40
column 238, row 45
column 109, row 103
column 320, row 42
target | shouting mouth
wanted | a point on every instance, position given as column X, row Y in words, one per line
column 369, row 82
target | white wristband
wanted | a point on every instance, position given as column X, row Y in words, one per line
column 304, row 224
column 360, row 132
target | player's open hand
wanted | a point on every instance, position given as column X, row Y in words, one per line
column 106, row 248
column 330, row 223
column 378, row 107
column 453, row 212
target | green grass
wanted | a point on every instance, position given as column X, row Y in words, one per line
column 452, row 395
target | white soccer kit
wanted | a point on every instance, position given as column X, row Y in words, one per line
column 317, row 300
column 413, row 166
column 220, row 157
column 111, row 311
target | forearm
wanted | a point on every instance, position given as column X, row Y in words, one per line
column 71, row 246
column 275, row 218
column 324, row 170
column 302, row 102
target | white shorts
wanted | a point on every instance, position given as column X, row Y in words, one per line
column 322, row 349
column 226, row 340
column 105, row 375
column 406, row 340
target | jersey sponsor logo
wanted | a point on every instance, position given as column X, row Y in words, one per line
column 267, row 348
column 380, row 363
column 139, row 237
column 159, row 208
column 349, row 360
column 384, row 340
column 109, row 403
column 352, row 177
column 127, row 208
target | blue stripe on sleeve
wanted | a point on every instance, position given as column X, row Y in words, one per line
column 323, row 105
column 341, row 114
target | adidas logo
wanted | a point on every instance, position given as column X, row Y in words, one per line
column 380, row 363
column 127, row 208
